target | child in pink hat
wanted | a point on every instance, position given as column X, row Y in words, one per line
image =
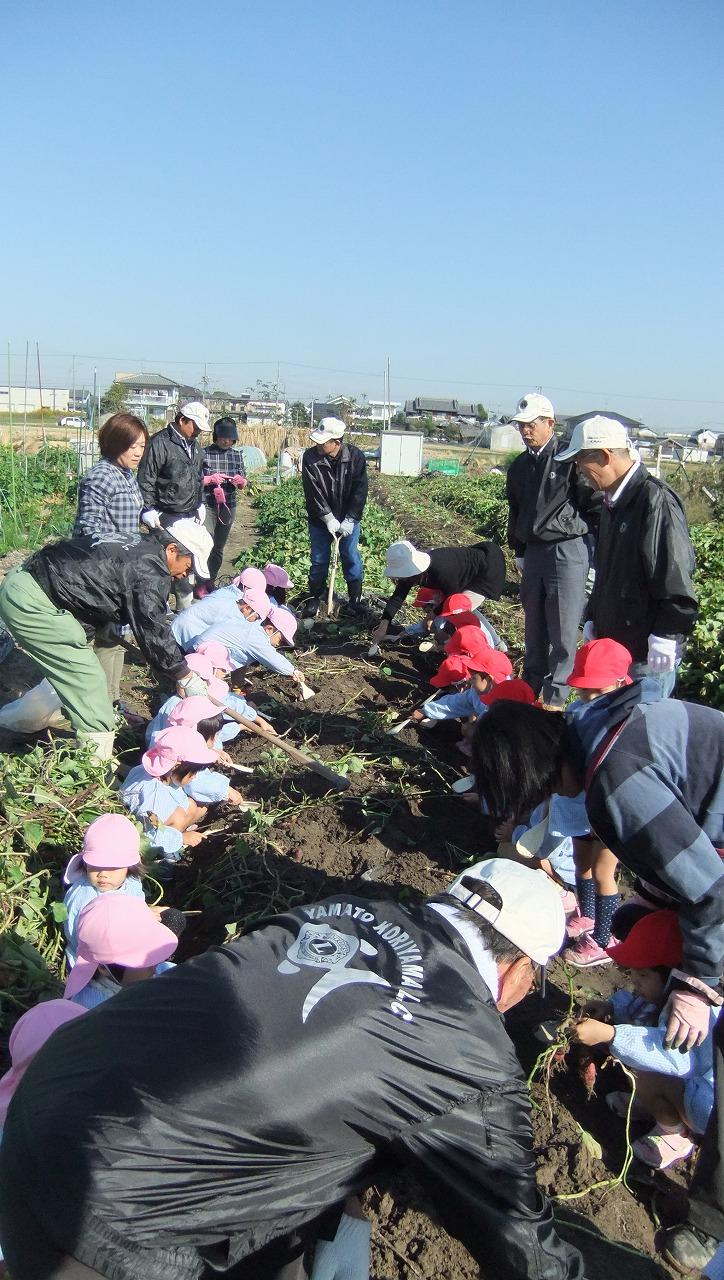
column 109, row 862
column 219, row 655
column 116, row 934
column 217, row 689
column 26, row 1039
column 250, row 577
column 154, row 791
column 278, row 583
column 207, row 786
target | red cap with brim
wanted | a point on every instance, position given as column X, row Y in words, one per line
column 452, row 671
column 654, row 940
column 425, row 598
column 467, row 640
column 456, row 604
column 600, row 663
column 493, row 663
column 510, row 691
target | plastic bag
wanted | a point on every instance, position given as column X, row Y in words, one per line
column 37, row 709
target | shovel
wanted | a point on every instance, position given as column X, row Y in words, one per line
column 402, row 724
column 331, row 610
column 334, row 779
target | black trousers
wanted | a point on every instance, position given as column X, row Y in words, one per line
column 218, row 523
column 706, row 1194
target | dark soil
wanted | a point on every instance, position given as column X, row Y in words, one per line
column 398, row 829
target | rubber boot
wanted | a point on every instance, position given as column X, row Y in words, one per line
column 354, row 606
column 310, row 609
column 102, row 744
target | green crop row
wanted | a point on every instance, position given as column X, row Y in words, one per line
column 284, row 536
column 702, row 672
column 38, row 495
column 481, row 499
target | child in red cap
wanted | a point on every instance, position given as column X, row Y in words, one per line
column 599, row 667
column 484, row 668
column 675, row 1087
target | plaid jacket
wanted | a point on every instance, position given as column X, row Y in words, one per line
column 109, row 501
column 223, row 462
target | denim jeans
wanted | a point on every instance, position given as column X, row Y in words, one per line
column 665, row 679
column 320, row 540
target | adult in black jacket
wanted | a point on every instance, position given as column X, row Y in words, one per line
column 219, row 1113
column 64, row 594
column 478, row 572
column 551, row 511
column 644, row 594
column 170, row 477
column 334, row 475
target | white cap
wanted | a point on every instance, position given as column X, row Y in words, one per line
column 196, row 539
column 405, row 561
column 531, row 913
column 198, row 413
column 597, row 433
column 533, row 406
column 328, row 429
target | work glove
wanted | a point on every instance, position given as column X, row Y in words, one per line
column 347, row 1257
column 239, row 482
column 661, row 656
column 332, row 523
column 201, row 512
column 192, row 686
column 588, row 632
column 152, row 519
column 216, row 478
column 346, row 527
column 689, row 1015
column 519, row 562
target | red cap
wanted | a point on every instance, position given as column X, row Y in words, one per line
column 425, row 597
column 655, row 939
column 510, row 691
column 600, row 663
column 492, row 662
column 464, row 619
column 456, row 604
column 467, row 640
column 452, row 671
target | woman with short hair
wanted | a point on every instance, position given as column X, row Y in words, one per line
column 109, row 499
column 110, row 503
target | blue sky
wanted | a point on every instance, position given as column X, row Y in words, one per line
column 497, row 196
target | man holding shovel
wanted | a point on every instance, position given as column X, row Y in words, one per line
column 334, row 475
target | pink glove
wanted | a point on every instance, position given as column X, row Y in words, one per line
column 239, row 481
column 214, row 479
column 689, row 1017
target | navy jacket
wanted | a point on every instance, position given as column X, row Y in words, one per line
column 194, row 1118
column 547, row 500
column 337, row 485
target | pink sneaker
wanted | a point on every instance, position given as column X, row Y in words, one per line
column 585, row 952
column 578, row 925
column 569, row 902
column 660, row 1150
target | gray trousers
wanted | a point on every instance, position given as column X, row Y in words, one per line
column 553, row 593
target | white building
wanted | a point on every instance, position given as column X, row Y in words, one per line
column 150, row 395
column 20, row 399
column 377, row 410
column 261, row 413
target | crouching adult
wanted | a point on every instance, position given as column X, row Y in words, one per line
column 60, row 598
column 217, row 1119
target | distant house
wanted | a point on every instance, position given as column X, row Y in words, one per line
column 337, row 407
column 153, row 396
column 260, row 413
column 565, row 422
column 443, row 411
column 376, row 410
column 222, row 402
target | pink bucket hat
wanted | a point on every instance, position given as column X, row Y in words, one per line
column 284, row 621
column 251, row 577
column 109, row 841
column 276, row 576
column 258, row 601
column 188, row 712
column 201, row 664
column 26, row 1039
column 218, row 653
column 118, row 929
column 173, row 745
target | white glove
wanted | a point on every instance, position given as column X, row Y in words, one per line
column 588, row 632
column 192, row 686
column 347, row 526
column 347, row 1257
column 519, row 562
column 152, row 519
column 332, row 523
column 201, row 512
column 662, row 653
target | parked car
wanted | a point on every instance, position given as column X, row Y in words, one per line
column 70, row 420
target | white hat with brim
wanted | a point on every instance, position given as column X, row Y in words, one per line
column 533, row 406
column 530, row 914
column 597, row 433
column 328, row 429
column 403, row 560
column 197, row 541
column 198, row 413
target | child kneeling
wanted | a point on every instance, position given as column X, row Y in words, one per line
column 154, row 791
